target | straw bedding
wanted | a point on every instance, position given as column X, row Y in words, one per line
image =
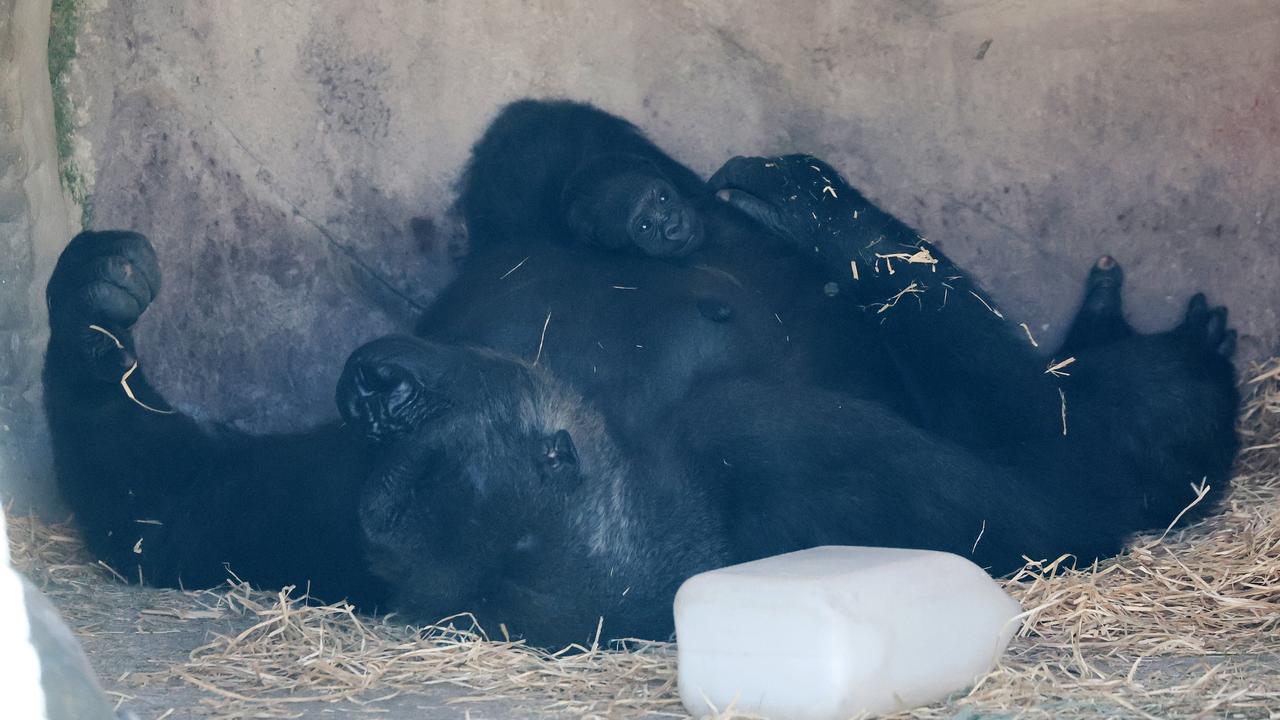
column 1184, row 624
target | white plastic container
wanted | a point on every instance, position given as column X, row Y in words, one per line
column 834, row 633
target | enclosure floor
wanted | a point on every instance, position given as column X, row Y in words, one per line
column 125, row 640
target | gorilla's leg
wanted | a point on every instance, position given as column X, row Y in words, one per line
column 972, row 371
column 957, row 353
column 1101, row 317
column 802, row 466
column 1161, row 403
column 159, row 497
column 1160, row 408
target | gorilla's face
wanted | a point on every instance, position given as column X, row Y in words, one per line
column 660, row 222
column 470, row 508
column 622, row 203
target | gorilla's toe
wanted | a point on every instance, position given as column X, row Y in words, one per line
column 1197, row 310
column 1209, row 328
column 104, row 278
column 1227, row 347
column 1104, row 286
column 385, row 389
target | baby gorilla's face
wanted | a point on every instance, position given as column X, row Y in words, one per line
column 632, row 208
column 661, row 223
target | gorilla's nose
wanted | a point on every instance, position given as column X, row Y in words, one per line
column 674, row 229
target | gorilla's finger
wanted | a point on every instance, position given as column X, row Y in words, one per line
column 763, row 212
column 748, row 173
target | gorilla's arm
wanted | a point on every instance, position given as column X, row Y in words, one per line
column 159, row 497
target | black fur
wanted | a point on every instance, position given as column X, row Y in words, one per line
column 582, row 431
column 545, row 167
column 624, row 203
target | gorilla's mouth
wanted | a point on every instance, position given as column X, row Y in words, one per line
column 691, row 231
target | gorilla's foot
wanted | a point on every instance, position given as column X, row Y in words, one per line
column 1207, row 327
column 102, row 284
column 387, row 387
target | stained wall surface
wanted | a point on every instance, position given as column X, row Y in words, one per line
column 276, row 152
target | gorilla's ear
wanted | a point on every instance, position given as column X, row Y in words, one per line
column 577, row 215
column 560, row 453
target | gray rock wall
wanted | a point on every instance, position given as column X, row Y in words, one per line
column 276, row 152
column 35, row 220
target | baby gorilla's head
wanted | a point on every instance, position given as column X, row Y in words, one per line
column 625, row 202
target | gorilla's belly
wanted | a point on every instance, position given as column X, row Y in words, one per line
column 624, row 332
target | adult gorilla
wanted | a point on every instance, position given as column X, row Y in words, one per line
column 614, row 436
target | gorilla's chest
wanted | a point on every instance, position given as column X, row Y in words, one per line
column 621, row 330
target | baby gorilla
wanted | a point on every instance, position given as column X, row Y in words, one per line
column 570, row 173
column 625, row 203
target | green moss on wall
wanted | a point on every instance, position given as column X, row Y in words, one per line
column 64, row 29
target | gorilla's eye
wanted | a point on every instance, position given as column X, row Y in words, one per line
column 644, row 226
column 662, row 197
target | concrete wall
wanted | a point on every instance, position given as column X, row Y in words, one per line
column 277, row 151
column 35, row 221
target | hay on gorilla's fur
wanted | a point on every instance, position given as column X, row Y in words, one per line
column 1184, row 624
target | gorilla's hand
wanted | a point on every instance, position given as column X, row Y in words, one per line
column 807, row 202
column 390, row 385
column 794, row 195
column 102, row 284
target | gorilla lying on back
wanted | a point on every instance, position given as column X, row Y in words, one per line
column 545, row 468
column 567, row 171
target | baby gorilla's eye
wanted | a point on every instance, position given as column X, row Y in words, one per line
column 662, row 197
column 644, row 227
